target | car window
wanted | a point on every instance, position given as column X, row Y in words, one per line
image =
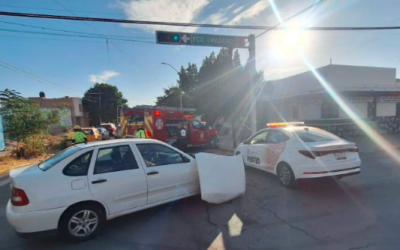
column 314, row 135
column 259, row 138
column 115, row 159
column 276, row 137
column 49, row 163
column 79, row 166
column 158, row 155
column 197, row 124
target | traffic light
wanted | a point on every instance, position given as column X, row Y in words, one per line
column 168, row 37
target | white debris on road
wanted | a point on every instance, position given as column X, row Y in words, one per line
column 222, row 178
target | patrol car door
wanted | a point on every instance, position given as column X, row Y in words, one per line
column 198, row 133
column 253, row 152
column 274, row 147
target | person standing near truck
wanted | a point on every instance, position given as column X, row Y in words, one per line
column 140, row 134
column 182, row 136
column 79, row 136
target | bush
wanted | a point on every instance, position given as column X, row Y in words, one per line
column 35, row 145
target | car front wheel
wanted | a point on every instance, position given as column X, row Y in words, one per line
column 81, row 222
column 286, row 176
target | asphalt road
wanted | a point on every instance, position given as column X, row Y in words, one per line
column 357, row 212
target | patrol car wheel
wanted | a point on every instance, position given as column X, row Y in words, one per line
column 286, row 176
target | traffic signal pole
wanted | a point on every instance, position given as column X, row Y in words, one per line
column 252, row 76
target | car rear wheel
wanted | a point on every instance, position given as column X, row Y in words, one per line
column 286, row 176
column 81, row 222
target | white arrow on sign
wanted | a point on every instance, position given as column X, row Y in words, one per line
column 185, row 38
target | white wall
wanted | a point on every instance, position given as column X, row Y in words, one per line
column 340, row 77
column 309, row 112
column 385, row 109
column 361, row 109
column 76, row 102
column 344, row 76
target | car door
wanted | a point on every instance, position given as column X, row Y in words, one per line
column 274, row 148
column 198, row 133
column 170, row 174
column 253, row 150
column 117, row 179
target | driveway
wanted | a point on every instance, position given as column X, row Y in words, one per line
column 357, row 212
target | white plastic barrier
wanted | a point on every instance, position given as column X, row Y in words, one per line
column 222, row 178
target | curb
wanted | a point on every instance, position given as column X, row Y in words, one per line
column 392, row 147
column 226, row 149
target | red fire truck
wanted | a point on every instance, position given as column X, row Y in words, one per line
column 164, row 124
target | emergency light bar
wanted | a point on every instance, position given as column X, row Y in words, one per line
column 283, row 124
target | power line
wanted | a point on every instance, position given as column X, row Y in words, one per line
column 14, row 68
column 77, row 32
column 70, row 35
column 295, row 15
column 246, row 27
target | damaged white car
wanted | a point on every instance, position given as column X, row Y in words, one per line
column 77, row 190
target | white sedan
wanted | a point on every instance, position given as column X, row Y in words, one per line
column 78, row 189
column 299, row 152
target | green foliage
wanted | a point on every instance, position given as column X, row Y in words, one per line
column 220, row 88
column 23, row 119
column 110, row 98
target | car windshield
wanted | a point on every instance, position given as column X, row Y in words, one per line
column 314, row 135
column 49, row 163
column 106, row 126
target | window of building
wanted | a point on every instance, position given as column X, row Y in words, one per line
column 329, row 109
column 80, row 107
column 79, row 166
column 295, row 112
column 385, row 109
column 115, row 159
column 157, row 155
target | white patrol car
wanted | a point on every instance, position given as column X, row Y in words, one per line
column 294, row 151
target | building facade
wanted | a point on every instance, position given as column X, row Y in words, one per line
column 74, row 114
column 373, row 94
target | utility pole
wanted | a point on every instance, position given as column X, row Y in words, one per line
column 180, row 90
column 252, row 75
column 100, row 106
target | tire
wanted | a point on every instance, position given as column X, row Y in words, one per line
column 81, row 218
column 286, row 176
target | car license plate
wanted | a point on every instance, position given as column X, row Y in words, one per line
column 340, row 156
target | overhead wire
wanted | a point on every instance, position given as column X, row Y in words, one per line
column 199, row 25
column 291, row 17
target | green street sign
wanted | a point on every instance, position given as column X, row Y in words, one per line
column 194, row 39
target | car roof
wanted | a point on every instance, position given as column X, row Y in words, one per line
column 112, row 142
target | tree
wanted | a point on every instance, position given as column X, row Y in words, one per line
column 24, row 121
column 101, row 102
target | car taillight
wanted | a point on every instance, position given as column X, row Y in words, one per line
column 355, row 149
column 18, row 197
column 307, row 154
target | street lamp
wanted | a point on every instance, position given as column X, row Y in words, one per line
column 180, row 90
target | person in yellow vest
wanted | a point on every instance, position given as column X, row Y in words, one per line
column 79, row 136
column 140, row 134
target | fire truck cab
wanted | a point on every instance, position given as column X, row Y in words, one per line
column 166, row 123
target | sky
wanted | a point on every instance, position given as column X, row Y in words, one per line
column 68, row 66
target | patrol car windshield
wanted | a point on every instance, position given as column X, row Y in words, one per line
column 49, row 163
column 314, row 135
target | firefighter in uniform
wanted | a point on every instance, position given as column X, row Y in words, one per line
column 140, row 133
column 79, row 136
column 182, row 141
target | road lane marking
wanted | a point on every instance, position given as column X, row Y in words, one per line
column 5, row 182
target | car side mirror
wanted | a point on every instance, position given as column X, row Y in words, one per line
column 185, row 159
